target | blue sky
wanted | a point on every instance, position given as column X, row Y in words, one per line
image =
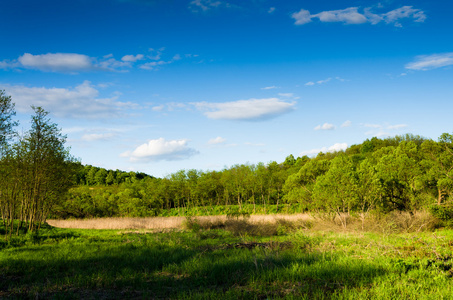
column 159, row 86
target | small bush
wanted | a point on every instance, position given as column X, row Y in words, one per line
column 398, row 221
column 192, row 224
column 443, row 213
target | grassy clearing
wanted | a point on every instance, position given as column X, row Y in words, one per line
column 218, row 259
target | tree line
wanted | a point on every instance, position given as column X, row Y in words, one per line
column 405, row 172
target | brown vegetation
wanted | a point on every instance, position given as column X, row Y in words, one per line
column 266, row 225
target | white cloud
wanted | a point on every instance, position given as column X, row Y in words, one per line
column 152, row 65
column 158, row 108
column 248, row 110
column 270, row 87
column 74, row 63
column 216, row 141
column 325, row 126
column 155, row 64
column 396, row 127
column 311, row 83
column 346, row 124
column 205, row 5
column 351, row 15
column 8, row 64
column 89, row 137
column 80, row 102
column 155, row 54
column 132, row 58
column 112, row 64
column 334, row 148
column 271, row 10
column 57, row 62
column 323, row 81
column 65, row 63
column 429, row 62
column 393, row 17
column 341, row 79
column 302, row 17
column 161, row 149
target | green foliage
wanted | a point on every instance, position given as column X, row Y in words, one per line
column 401, row 173
column 74, row 264
column 443, row 213
column 36, row 171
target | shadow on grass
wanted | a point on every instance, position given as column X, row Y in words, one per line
column 155, row 270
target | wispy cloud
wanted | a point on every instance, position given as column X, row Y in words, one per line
column 334, row 148
column 167, row 107
column 74, row 63
column 383, row 129
column 245, row 110
column 429, row 62
column 254, row 144
column 156, row 56
column 288, row 95
column 270, row 87
column 205, row 5
column 351, row 15
column 152, row 65
column 90, row 137
column 325, row 126
column 396, row 127
column 65, row 63
column 216, row 141
column 161, row 149
column 132, row 58
column 346, row 124
column 323, row 81
column 83, row 101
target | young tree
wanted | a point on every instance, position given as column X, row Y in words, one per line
column 47, row 168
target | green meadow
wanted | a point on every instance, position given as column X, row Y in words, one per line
column 208, row 261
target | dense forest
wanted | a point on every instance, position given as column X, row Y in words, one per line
column 405, row 172
column 39, row 178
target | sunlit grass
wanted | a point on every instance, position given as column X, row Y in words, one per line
column 217, row 263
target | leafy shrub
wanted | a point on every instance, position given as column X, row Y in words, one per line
column 192, row 224
column 443, row 213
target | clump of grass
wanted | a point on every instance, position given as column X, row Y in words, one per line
column 412, row 222
column 245, row 225
column 393, row 222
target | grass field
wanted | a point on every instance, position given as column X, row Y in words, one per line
column 229, row 259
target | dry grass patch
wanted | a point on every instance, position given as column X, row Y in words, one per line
column 267, row 225
column 150, row 223
column 159, row 223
